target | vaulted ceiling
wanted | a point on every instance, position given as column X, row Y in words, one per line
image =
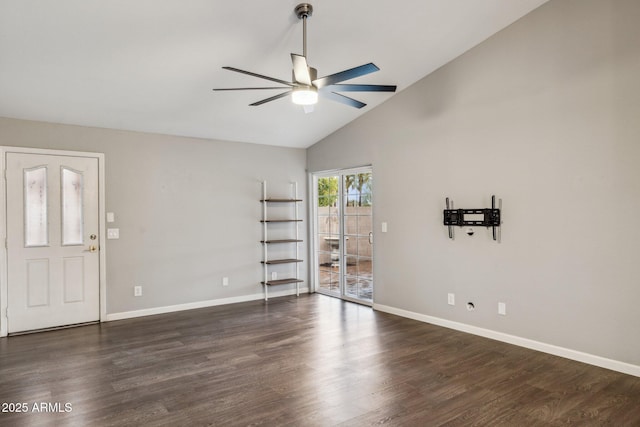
column 150, row 65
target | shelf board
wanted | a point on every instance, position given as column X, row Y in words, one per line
column 280, row 220
column 281, row 261
column 282, row 281
column 280, row 200
column 281, row 241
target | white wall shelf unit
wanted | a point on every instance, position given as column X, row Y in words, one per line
column 292, row 239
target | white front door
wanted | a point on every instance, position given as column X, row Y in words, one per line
column 52, row 241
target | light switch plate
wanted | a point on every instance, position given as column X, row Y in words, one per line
column 502, row 308
column 111, row 217
column 384, row 227
column 113, row 233
column 451, row 299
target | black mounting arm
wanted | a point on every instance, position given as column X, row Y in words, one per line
column 487, row 217
column 490, row 217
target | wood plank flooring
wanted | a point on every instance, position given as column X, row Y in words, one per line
column 307, row 361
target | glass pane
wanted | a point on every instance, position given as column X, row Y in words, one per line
column 364, row 268
column 328, row 224
column 351, row 203
column 350, row 224
column 352, row 245
column 72, row 221
column 365, row 289
column 328, row 187
column 357, row 191
column 323, row 211
column 36, row 227
column 352, row 265
column 364, row 246
column 364, row 224
column 332, row 242
column 324, row 202
column 351, row 287
column 364, row 200
column 333, row 223
column 325, row 280
column 335, row 282
column 324, row 261
column 350, row 183
column 364, row 189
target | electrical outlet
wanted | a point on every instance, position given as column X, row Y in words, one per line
column 225, row 281
column 137, row 291
column 502, row 308
column 451, row 299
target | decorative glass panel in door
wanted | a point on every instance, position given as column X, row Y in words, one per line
column 36, row 218
column 72, row 221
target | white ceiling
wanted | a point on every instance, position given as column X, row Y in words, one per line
column 150, row 65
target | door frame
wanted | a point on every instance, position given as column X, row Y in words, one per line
column 4, row 283
column 313, row 238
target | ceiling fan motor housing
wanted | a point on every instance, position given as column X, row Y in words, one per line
column 313, row 73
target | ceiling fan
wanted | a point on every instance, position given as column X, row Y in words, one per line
column 305, row 87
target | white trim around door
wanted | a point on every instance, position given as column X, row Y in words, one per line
column 3, row 227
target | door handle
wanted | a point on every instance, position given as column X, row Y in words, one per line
column 92, row 248
column 371, row 237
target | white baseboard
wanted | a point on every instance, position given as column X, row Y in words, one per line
column 614, row 365
column 200, row 304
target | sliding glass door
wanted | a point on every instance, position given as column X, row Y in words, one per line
column 344, row 234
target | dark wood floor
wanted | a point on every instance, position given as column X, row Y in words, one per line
column 304, row 361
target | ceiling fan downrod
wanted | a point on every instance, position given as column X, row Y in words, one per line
column 304, row 11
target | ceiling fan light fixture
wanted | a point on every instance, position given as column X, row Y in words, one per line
column 305, row 96
column 305, row 84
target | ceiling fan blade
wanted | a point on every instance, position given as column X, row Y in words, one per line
column 343, row 99
column 260, row 76
column 301, row 69
column 345, row 75
column 273, row 98
column 361, row 88
column 250, row 88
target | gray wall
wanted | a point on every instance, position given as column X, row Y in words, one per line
column 188, row 209
column 544, row 115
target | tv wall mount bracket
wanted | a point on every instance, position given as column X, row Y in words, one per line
column 486, row 217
